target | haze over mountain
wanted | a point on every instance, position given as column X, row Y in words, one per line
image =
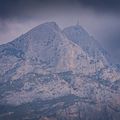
column 64, row 74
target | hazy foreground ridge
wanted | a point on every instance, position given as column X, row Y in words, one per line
column 54, row 74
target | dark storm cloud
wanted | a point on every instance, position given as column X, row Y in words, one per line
column 109, row 5
column 21, row 8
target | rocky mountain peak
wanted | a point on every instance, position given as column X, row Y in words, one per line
column 48, row 73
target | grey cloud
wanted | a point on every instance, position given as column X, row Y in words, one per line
column 112, row 5
column 22, row 8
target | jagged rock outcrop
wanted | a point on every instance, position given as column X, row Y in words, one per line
column 49, row 73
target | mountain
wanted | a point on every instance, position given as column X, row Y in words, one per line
column 79, row 36
column 49, row 73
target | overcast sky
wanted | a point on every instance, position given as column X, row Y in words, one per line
column 101, row 18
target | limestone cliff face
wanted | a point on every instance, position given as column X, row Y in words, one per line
column 49, row 73
column 46, row 49
column 79, row 36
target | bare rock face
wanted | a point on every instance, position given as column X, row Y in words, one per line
column 54, row 74
column 79, row 36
